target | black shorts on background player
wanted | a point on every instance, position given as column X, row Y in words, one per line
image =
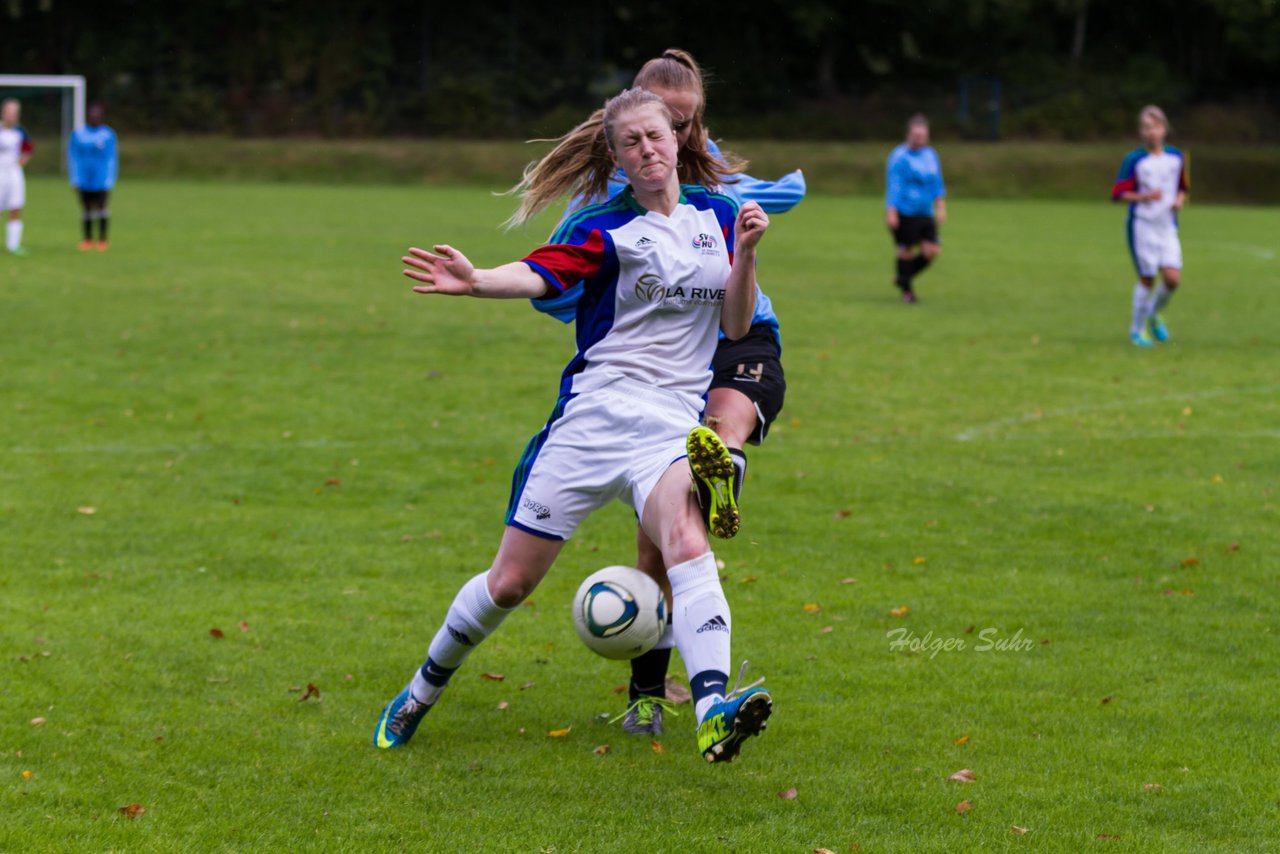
column 753, row 366
column 914, row 230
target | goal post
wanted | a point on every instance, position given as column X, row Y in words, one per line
column 73, row 100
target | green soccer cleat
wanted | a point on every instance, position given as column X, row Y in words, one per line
column 1155, row 324
column 399, row 721
column 713, row 478
column 1139, row 339
column 743, row 712
column 644, row 716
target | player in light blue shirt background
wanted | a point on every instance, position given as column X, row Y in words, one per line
column 915, row 204
column 92, row 162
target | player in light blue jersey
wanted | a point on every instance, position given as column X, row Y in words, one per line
column 93, row 161
column 1153, row 180
column 748, row 386
column 915, row 204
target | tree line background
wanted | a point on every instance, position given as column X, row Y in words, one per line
column 811, row 69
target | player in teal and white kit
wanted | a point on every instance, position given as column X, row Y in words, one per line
column 1153, row 180
column 15, row 151
column 664, row 267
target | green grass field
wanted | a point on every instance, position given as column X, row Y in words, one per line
column 279, row 441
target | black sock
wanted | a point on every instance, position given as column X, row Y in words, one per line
column 88, row 226
column 740, row 471
column 649, row 674
column 918, row 264
column 102, row 227
column 906, row 269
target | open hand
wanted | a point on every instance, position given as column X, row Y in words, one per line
column 750, row 227
column 448, row 273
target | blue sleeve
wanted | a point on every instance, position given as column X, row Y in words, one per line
column 777, row 196
column 941, row 189
column 893, row 181
column 73, row 162
column 113, row 161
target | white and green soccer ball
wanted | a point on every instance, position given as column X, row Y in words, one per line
column 620, row 612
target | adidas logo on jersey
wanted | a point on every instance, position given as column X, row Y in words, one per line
column 715, row 624
column 644, row 241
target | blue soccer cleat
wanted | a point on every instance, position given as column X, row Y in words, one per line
column 1140, row 340
column 399, row 721
column 741, row 714
column 1159, row 331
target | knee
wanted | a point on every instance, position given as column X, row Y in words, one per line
column 1172, row 278
column 508, row 586
column 930, row 252
column 687, row 540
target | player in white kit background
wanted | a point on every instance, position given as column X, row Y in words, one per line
column 15, row 150
column 664, row 269
column 1153, row 180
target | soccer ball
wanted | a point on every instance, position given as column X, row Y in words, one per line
column 620, row 612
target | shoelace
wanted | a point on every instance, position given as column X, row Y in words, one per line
column 738, row 687
column 666, row 705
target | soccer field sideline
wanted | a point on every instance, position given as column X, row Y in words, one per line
column 268, row 429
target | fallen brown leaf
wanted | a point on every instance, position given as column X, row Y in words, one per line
column 1106, row 700
column 901, row 611
column 1151, row 787
column 132, row 810
column 677, row 691
column 216, row 633
column 969, row 630
column 964, row 806
column 243, row 626
column 788, row 794
column 312, row 691
column 1108, row 836
column 812, row 607
column 1234, row 547
column 1016, row 829
column 493, row 677
column 750, row 579
column 601, row 750
column 823, row 851
column 526, row 686
column 559, row 733
column 618, row 689
column 503, row 705
column 37, row 721
column 88, row 511
column 332, row 481
column 656, row 747
column 843, row 514
column 27, row 775
column 964, row 775
column 848, row 581
column 1191, row 561
column 964, row 739
column 826, row 630
column 919, row 559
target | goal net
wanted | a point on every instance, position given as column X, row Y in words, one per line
column 52, row 106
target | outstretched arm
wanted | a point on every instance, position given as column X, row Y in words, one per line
column 740, row 291
column 452, row 274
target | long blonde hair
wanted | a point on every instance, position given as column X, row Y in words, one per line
column 581, row 163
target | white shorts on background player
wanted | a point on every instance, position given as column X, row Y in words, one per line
column 1155, row 245
column 13, row 189
column 611, row 442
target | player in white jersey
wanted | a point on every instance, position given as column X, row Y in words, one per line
column 664, row 268
column 1153, row 180
column 15, row 151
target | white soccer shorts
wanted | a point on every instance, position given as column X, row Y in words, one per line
column 612, row 442
column 1155, row 246
column 13, row 190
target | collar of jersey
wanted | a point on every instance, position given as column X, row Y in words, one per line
column 629, row 197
